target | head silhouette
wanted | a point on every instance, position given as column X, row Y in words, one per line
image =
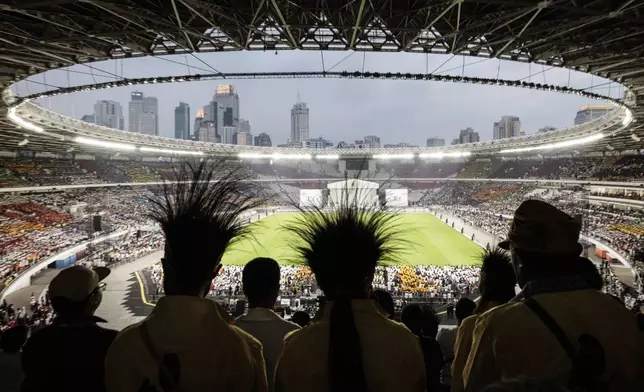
column 199, row 216
column 498, row 279
column 342, row 248
column 261, row 282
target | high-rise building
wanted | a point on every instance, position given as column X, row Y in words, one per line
column 182, row 121
column 135, row 109
column 147, row 124
column 509, row 126
column 318, row 143
column 151, row 106
column 435, row 142
column 243, row 138
column 108, row 114
column 263, row 140
column 299, row 122
column 547, row 128
column 589, row 113
column 372, row 141
column 143, row 114
column 226, row 96
column 244, row 125
column 227, row 135
column 208, row 132
column 468, row 135
column 88, row 118
column 198, row 120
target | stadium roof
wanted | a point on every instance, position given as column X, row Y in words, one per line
column 601, row 37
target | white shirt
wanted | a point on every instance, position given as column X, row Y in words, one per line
column 446, row 338
column 269, row 328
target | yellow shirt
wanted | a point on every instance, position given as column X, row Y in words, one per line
column 213, row 355
column 462, row 346
column 510, row 341
column 391, row 354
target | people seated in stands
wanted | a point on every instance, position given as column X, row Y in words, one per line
column 497, row 286
column 188, row 343
column 261, row 284
column 424, row 324
column 352, row 346
column 559, row 329
column 447, row 338
column 69, row 355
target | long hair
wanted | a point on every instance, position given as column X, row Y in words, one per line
column 342, row 247
column 200, row 214
column 498, row 279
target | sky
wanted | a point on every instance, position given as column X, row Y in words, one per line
column 340, row 109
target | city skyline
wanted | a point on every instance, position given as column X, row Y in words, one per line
column 344, row 109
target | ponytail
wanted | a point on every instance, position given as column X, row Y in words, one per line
column 345, row 352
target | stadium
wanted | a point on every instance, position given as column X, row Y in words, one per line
column 75, row 193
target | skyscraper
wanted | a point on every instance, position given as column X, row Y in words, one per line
column 198, row 120
column 435, row 142
column 208, row 132
column 589, row 113
column 263, row 140
column 226, row 96
column 108, row 114
column 372, row 141
column 151, row 106
column 143, row 114
column 509, row 126
column 299, row 122
column 468, row 135
column 135, row 110
column 182, row 121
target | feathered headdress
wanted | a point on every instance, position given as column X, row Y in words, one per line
column 201, row 212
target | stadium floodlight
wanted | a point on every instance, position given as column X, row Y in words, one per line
column 169, row 151
column 292, row 156
column 104, row 144
column 441, row 155
column 11, row 115
column 253, row 155
column 328, row 157
column 393, row 156
column 628, row 117
column 550, row 146
column 24, row 142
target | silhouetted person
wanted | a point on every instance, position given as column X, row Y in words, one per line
column 385, row 301
column 424, row 324
column 69, row 355
column 447, row 337
column 576, row 336
column 301, row 318
column 187, row 343
column 353, row 346
column 11, row 341
column 261, row 285
column 497, row 286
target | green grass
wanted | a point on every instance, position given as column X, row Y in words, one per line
column 433, row 242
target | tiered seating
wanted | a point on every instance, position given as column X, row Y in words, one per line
column 137, row 171
column 50, row 171
column 105, row 170
column 8, row 180
column 479, row 169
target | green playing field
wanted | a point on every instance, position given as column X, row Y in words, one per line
column 432, row 242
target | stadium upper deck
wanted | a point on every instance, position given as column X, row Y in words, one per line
column 600, row 38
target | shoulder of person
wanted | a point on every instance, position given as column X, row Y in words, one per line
column 245, row 337
column 127, row 335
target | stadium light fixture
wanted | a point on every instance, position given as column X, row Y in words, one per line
column 11, row 115
column 169, row 151
column 327, row 157
column 393, row 156
column 441, row 155
column 104, row 144
column 303, row 157
column 252, row 155
column 24, row 142
column 551, row 146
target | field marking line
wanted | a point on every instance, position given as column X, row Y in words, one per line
column 143, row 298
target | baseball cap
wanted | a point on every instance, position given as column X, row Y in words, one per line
column 541, row 227
column 77, row 283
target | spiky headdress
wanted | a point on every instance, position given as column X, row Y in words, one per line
column 199, row 213
column 496, row 272
column 343, row 244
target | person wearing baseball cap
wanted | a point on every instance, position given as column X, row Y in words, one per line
column 74, row 340
column 560, row 329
